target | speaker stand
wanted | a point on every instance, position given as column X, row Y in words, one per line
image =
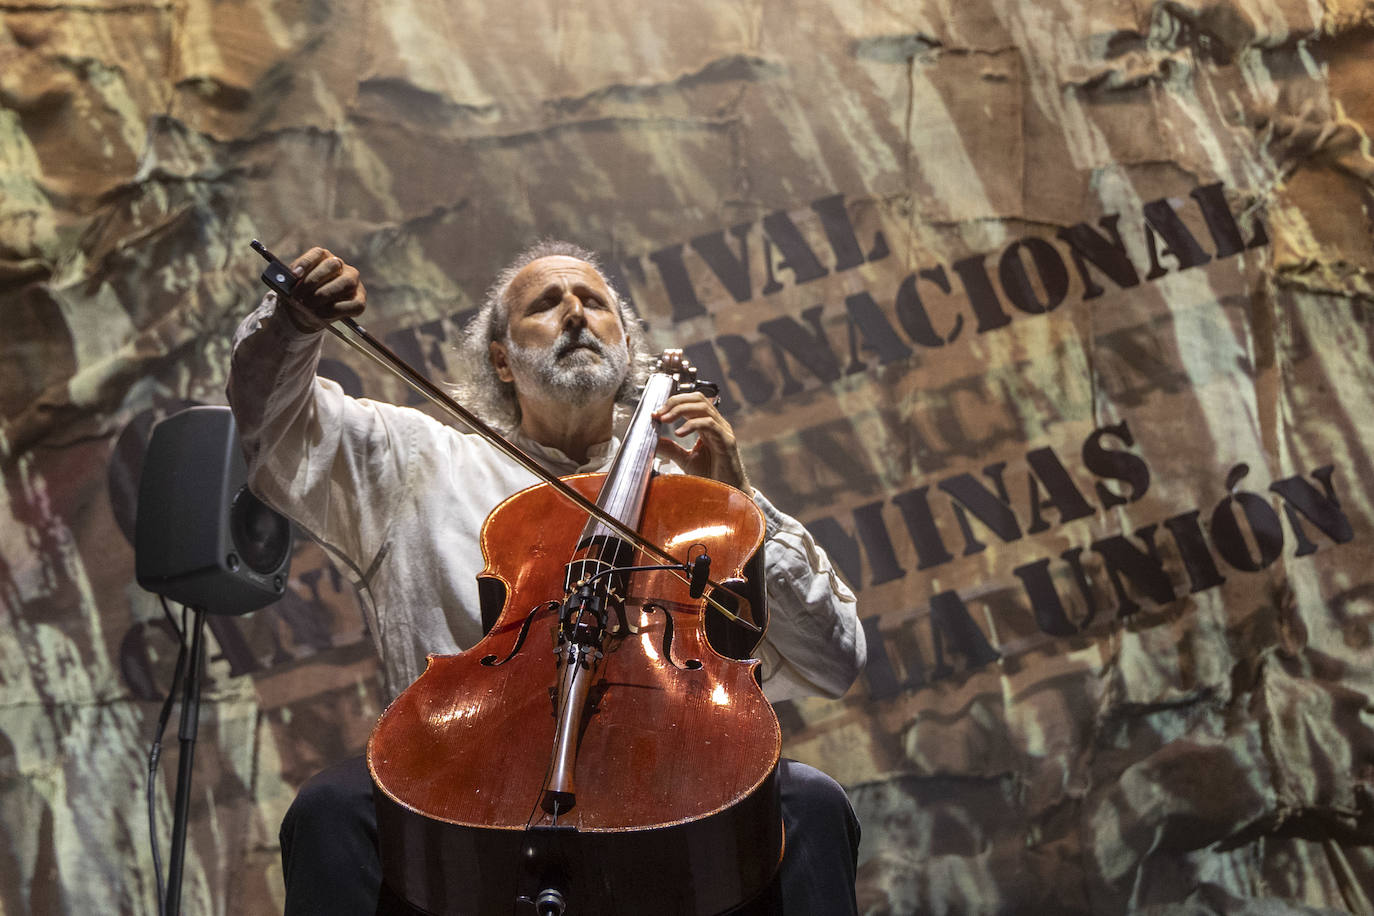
column 190, row 720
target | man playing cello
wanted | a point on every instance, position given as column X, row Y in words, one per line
column 399, row 500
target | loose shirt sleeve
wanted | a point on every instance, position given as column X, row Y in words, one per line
column 814, row 644
column 314, row 453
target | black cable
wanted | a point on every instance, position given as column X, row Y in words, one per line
column 180, row 630
column 155, row 752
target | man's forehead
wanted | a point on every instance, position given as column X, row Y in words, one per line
column 558, row 268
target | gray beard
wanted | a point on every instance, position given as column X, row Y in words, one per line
column 569, row 374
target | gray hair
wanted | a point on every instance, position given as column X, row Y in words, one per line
column 482, row 390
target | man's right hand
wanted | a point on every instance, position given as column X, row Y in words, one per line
column 327, row 290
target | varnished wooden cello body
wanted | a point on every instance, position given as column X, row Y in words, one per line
column 593, row 754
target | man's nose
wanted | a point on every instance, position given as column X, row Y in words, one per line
column 574, row 314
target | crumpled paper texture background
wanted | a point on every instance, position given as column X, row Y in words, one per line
column 866, row 214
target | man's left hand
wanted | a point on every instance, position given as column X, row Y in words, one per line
column 715, row 454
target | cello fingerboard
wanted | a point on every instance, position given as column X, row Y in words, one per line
column 628, row 478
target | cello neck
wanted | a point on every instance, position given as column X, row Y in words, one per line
column 622, row 497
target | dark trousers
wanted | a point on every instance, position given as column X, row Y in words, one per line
column 332, row 868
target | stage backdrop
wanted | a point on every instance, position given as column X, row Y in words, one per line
column 1050, row 319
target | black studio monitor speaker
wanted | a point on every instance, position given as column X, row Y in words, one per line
column 201, row 538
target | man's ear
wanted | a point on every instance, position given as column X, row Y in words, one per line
column 496, row 352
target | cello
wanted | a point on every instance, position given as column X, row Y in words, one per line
column 594, row 753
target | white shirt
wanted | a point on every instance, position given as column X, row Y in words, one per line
column 399, row 500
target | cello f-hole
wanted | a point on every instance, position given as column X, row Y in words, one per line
column 490, row 660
